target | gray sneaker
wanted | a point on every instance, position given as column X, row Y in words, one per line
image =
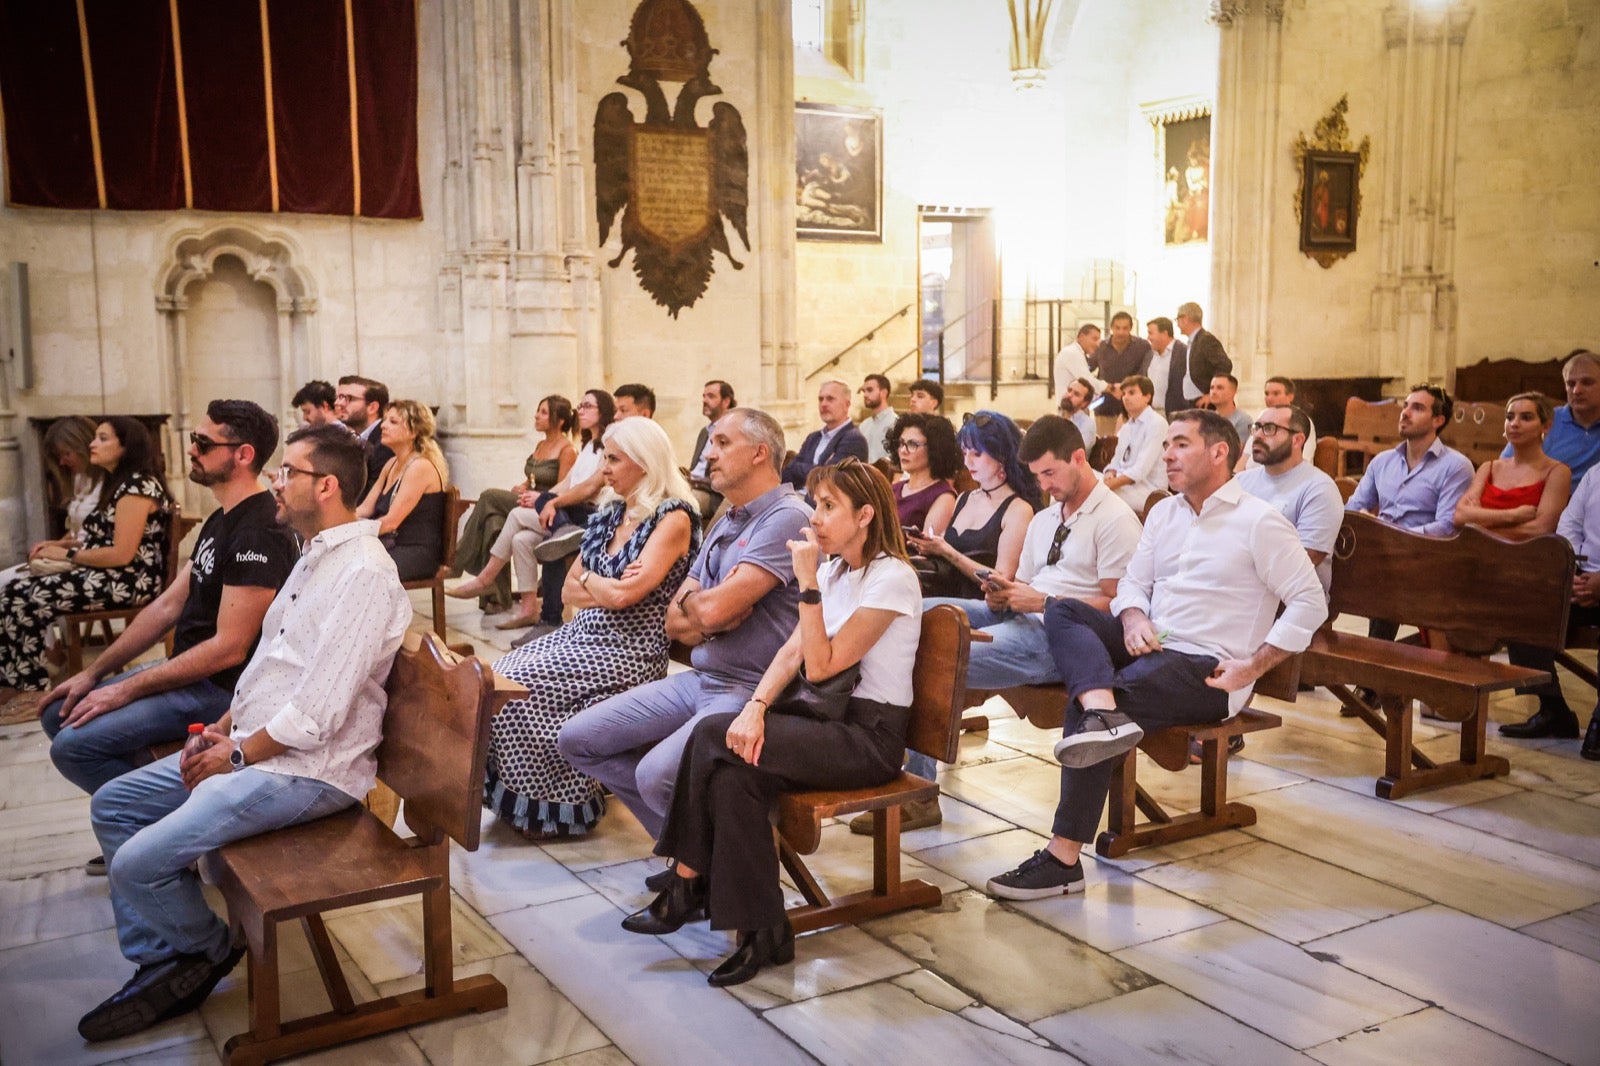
column 1101, row 735
column 541, row 630
column 1041, row 875
column 559, row 544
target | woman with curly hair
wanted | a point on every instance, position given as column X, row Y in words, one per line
column 925, row 446
column 408, row 497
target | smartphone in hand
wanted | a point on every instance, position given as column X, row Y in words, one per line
column 913, row 531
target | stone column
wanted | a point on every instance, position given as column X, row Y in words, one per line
column 13, row 507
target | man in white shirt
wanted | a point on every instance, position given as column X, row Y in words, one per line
column 1136, row 471
column 1184, row 649
column 1168, row 367
column 297, row 744
column 1072, row 361
column 1304, row 495
column 1074, row 407
column 879, row 418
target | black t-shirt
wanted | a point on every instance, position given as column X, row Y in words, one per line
column 244, row 546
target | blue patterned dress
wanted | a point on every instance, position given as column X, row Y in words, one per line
column 28, row 605
column 602, row 652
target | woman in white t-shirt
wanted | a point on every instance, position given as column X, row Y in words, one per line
column 861, row 609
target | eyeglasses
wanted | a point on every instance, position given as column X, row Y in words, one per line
column 285, row 472
column 907, row 445
column 588, row 405
column 1063, row 531
column 204, row 444
column 1267, row 429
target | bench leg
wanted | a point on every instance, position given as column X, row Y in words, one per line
column 1578, row 670
column 887, row 895
column 438, row 608
column 333, row 981
column 1124, row 833
column 1400, row 780
column 975, row 723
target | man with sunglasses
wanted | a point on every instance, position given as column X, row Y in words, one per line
column 99, row 723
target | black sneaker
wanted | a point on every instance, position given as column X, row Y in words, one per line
column 1039, row 876
column 1101, row 735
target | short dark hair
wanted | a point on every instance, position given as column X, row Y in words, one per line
column 1231, row 379
column 1088, row 386
column 1140, row 382
column 1087, row 327
column 1442, row 403
column 1053, row 435
column 1162, row 323
column 249, row 423
column 883, row 382
column 724, row 390
column 371, row 391
column 1279, row 379
column 944, row 456
column 931, row 387
column 1120, row 316
column 337, row 453
column 315, row 393
column 1214, row 429
column 1299, row 421
column 642, row 395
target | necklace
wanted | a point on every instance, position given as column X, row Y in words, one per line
column 989, row 492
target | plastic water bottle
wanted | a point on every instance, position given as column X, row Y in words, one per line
column 197, row 741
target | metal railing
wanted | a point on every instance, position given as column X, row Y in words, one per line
column 865, row 338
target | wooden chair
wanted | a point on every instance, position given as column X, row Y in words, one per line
column 964, row 481
column 435, row 745
column 1346, row 487
column 75, row 628
column 939, row 690
column 1474, row 592
column 454, row 508
column 1476, row 430
column 1369, row 429
column 1150, row 501
column 1101, row 451
column 1045, row 707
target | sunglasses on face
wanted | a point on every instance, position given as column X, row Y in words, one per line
column 203, row 444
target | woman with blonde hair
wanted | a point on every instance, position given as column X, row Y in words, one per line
column 408, row 497
column 860, row 625
column 635, row 553
column 74, row 489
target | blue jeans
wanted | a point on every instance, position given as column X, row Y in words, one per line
column 1019, row 655
column 632, row 743
column 104, row 748
column 152, row 830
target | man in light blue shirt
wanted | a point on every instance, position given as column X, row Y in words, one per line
column 1574, row 435
column 1580, row 524
column 1417, row 483
column 1304, row 495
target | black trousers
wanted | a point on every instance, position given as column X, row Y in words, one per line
column 1545, row 659
column 719, row 823
column 1157, row 690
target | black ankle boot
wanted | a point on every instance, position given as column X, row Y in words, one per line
column 684, row 900
column 773, row 946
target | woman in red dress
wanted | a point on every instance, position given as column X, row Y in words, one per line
column 1522, row 495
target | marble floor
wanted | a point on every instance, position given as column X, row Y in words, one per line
column 1459, row 925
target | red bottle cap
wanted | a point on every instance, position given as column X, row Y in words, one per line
column 196, row 727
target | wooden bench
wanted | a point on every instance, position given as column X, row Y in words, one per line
column 1045, row 707
column 435, row 745
column 1370, row 429
column 1476, row 430
column 939, row 687
column 1473, row 592
column 76, row 627
column 454, row 508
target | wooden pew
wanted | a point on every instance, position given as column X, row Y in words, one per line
column 1474, row 590
column 1369, row 429
column 1045, row 706
column 435, row 745
column 1476, row 430
column 939, row 693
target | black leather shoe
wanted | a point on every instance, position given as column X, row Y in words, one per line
column 149, row 997
column 684, row 900
column 658, row 881
column 757, row 948
column 1546, row 722
column 1591, row 740
column 192, row 1001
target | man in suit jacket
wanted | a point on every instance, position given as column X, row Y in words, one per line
column 1207, row 358
column 1167, row 367
column 837, row 438
column 360, row 402
column 716, row 400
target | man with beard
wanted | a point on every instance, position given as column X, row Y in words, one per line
column 716, row 400
column 99, row 723
column 1304, row 495
column 359, row 403
column 879, row 419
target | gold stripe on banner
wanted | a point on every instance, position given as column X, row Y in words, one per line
column 94, row 116
column 355, row 127
column 272, row 138
column 183, row 107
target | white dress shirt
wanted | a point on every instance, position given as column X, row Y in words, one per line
column 1071, row 363
column 1160, row 372
column 1140, row 443
column 875, row 429
column 1212, row 582
column 315, row 683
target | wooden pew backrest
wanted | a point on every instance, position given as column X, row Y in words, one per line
column 939, row 683
column 1520, row 589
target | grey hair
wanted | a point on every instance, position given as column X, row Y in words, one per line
column 758, row 427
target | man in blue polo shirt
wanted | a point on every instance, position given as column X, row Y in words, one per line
column 1574, row 436
column 736, row 609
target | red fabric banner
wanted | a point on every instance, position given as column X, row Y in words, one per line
column 154, row 125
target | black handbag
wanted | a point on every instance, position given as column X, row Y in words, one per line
column 825, row 701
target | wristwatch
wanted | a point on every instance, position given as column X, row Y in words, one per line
column 236, row 757
column 72, row 553
column 812, row 596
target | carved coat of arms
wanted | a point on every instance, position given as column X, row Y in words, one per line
column 672, row 179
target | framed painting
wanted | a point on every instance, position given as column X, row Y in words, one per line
column 1185, row 151
column 1330, row 199
column 838, row 173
